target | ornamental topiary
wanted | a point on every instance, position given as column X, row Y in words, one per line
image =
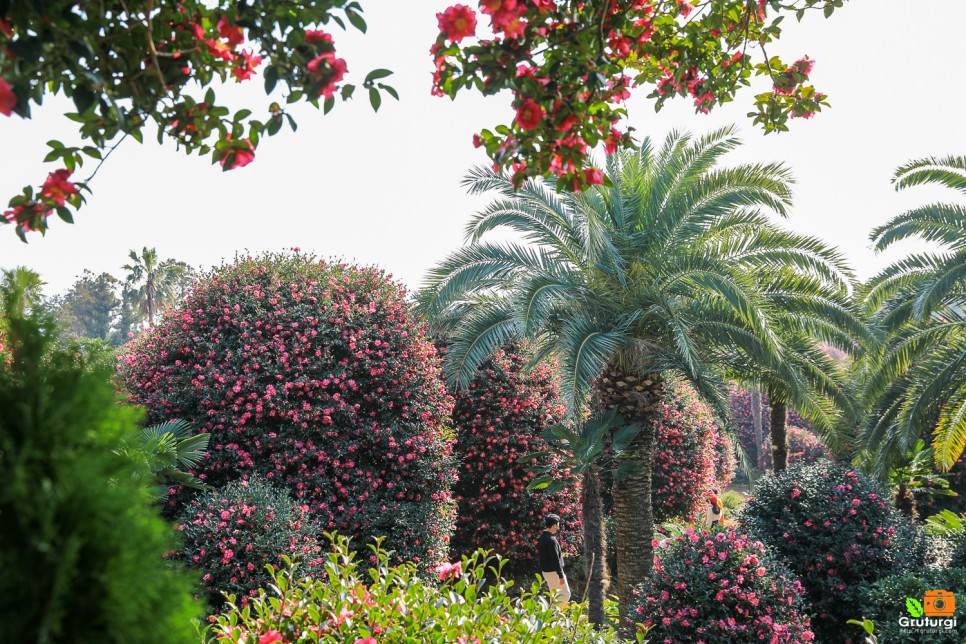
column 836, row 530
column 316, row 376
column 804, row 448
column 81, row 548
column 498, row 419
column 716, row 586
column 687, row 454
column 884, row 602
column 463, row 604
column 232, row 533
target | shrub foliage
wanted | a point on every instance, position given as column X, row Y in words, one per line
column 498, row 419
column 232, row 533
column 316, row 376
column 720, row 586
column 836, row 530
column 885, row 601
column 396, row 604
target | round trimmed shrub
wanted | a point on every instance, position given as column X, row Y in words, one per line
column 686, row 456
column 718, row 585
column 885, row 602
column 231, row 534
column 316, row 376
column 498, row 419
column 804, row 448
column 836, row 530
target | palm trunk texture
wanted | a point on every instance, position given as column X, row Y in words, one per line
column 779, row 440
column 756, row 425
column 635, row 397
column 905, row 501
column 595, row 545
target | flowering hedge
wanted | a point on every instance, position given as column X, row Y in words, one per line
column 316, row 376
column 396, row 604
column 232, row 533
column 498, row 419
column 804, row 448
column 836, row 530
column 720, row 586
column 687, row 455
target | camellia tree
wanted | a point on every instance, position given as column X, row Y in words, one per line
column 570, row 65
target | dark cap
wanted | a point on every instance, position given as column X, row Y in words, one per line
column 550, row 520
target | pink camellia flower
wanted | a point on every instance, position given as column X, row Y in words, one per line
column 8, row 100
column 594, row 176
column 246, row 68
column 242, row 157
column 529, row 114
column 317, row 35
column 457, row 22
column 447, row 570
column 233, row 34
column 366, row 640
column 57, row 186
column 270, row 637
column 795, row 493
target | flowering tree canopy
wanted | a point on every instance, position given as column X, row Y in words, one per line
column 570, row 64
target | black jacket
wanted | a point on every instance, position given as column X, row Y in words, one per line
column 551, row 560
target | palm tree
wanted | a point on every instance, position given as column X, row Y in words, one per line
column 918, row 381
column 27, row 283
column 621, row 284
column 162, row 454
column 152, row 283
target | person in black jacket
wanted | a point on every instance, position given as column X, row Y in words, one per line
column 551, row 559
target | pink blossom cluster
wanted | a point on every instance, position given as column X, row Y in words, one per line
column 316, row 376
column 498, row 419
column 719, row 585
column 687, row 458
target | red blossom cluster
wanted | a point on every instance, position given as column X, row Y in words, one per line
column 231, row 534
column 691, row 453
column 836, row 530
column 30, row 212
column 719, row 585
column 498, row 419
column 316, row 376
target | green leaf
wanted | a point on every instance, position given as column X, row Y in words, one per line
column 390, row 90
column 271, row 79
column 84, row 98
column 64, row 214
column 914, row 607
column 241, row 115
column 291, row 122
column 357, row 21
column 347, row 91
column 375, row 99
column 376, row 74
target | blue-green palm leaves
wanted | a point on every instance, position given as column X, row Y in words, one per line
column 653, row 273
column 918, row 381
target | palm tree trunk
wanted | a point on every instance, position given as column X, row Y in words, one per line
column 756, row 424
column 150, row 293
column 595, row 545
column 905, row 501
column 636, row 399
column 779, row 440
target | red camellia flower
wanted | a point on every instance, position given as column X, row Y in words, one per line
column 246, row 67
column 233, row 34
column 317, row 35
column 529, row 114
column 594, row 176
column 457, row 22
column 8, row 100
column 57, row 186
column 240, row 158
column 271, row 637
column 6, row 28
column 336, row 68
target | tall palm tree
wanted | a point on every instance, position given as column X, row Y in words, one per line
column 918, row 382
column 621, row 284
column 153, row 283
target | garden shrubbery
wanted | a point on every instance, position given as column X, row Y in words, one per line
column 720, row 586
column 688, row 454
column 81, row 549
column 232, row 533
column 498, row 419
column 836, row 530
column 316, row 376
column 884, row 602
column 397, row 604
column 804, row 448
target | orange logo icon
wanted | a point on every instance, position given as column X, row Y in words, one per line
column 939, row 603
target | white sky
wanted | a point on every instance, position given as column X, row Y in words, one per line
column 384, row 188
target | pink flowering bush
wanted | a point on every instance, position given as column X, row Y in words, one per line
column 804, row 448
column 717, row 586
column 836, row 530
column 231, row 534
column 687, row 457
column 462, row 604
column 498, row 419
column 316, row 376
